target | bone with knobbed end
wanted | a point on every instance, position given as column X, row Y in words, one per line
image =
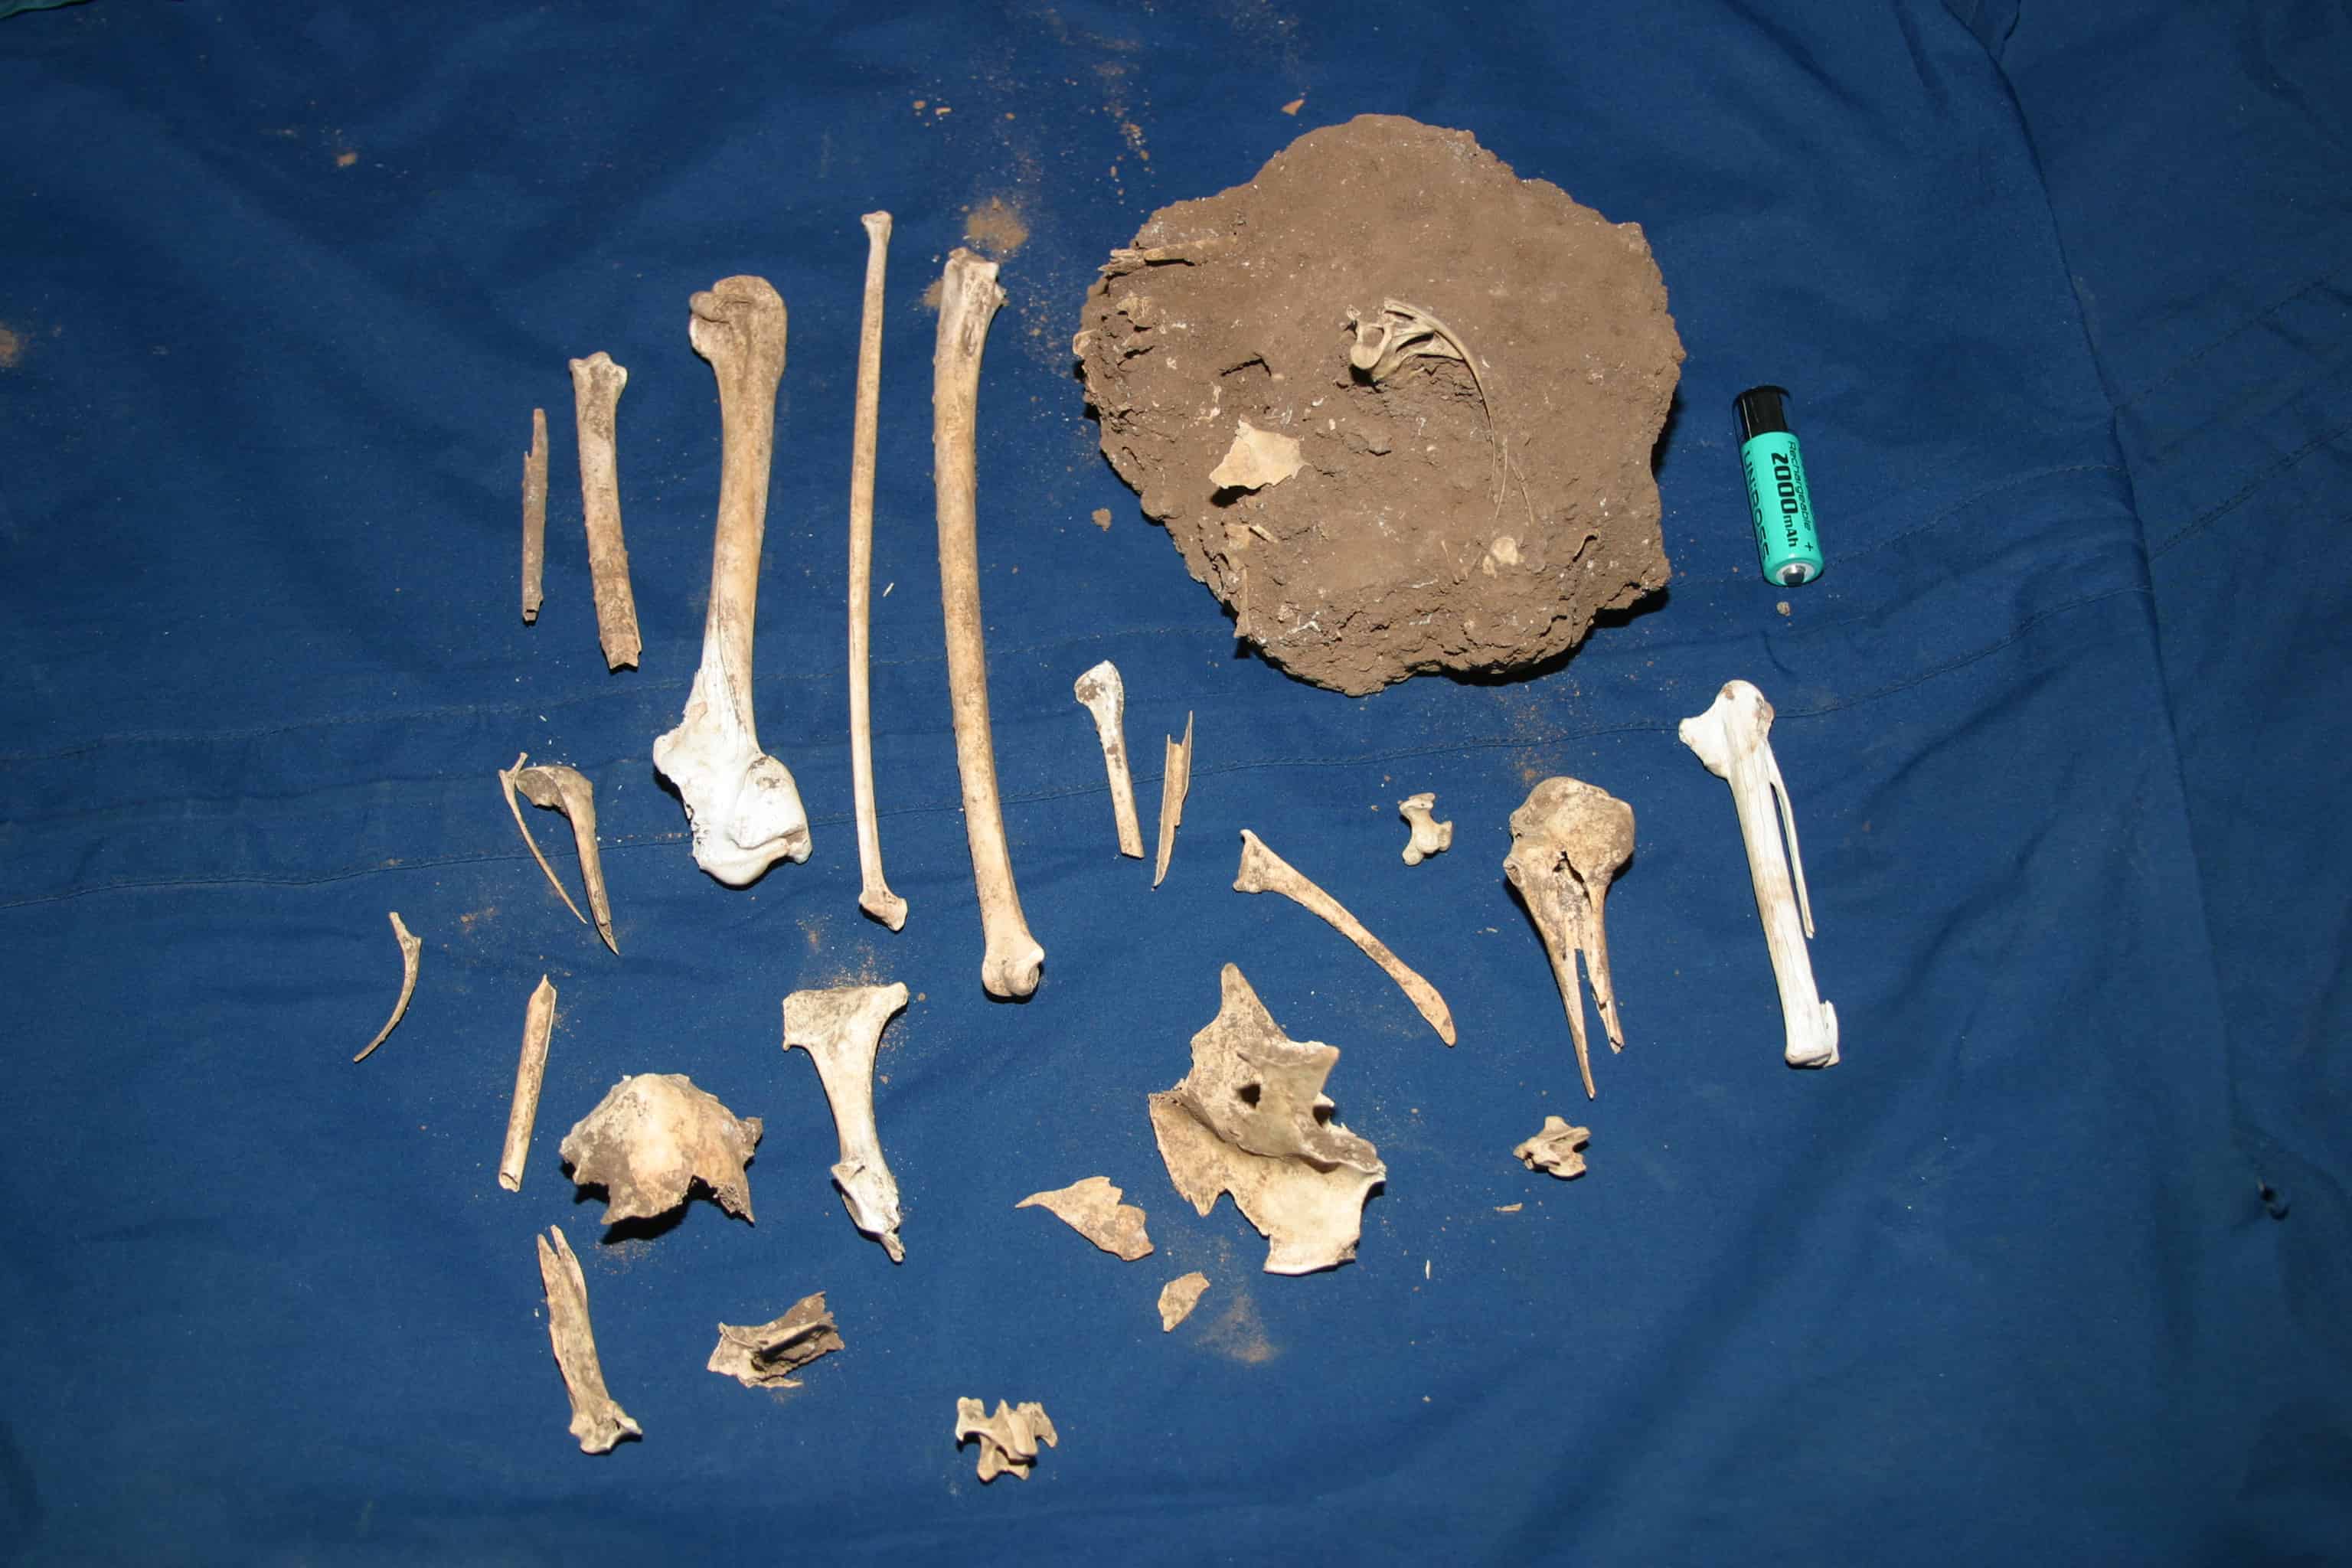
column 1731, row 738
column 1175, row 784
column 742, row 803
column 1263, row 871
column 1428, row 836
column 874, row 895
column 1559, row 1149
column 554, row 786
column 969, row 296
column 764, row 1355
column 1008, row 1439
column 841, row 1029
column 1567, row 839
column 596, row 383
column 531, row 1071
column 1104, row 695
column 534, row 516
column 411, row 947
column 597, row 1418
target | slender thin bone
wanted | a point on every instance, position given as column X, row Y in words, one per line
column 1263, row 871
column 1008, row 1439
column 742, row 805
column 410, row 947
column 597, row 1418
column 1567, row 839
column 764, row 1355
column 1429, row 836
column 507, row 788
column 534, row 515
column 1104, row 695
column 1731, row 738
column 531, row 1071
column 596, row 383
column 874, row 896
column 1175, row 784
column 554, row 786
column 841, row 1029
column 968, row 298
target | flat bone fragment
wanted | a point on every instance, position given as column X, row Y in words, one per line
column 1175, row 783
column 874, row 895
column 1559, row 1149
column 555, row 787
column 1732, row 739
column 597, row 1419
column 1568, row 841
column 841, row 1029
column 410, row 947
column 765, row 1355
column 1256, row 458
column 1092, row 1208
column 1104, row 695
column 1012, row 961
column 1263, row 871
column 1429, row 836
column 1008, row 1439
column 742, row 803
column 596, row 383
column 651, row 1138
column 1179, row 1297
column 1251, row 1118
column 531, row 1071
column 534, row 516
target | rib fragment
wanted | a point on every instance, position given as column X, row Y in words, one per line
column 1263, row 871
column 554, row 787
column 651, row 1138
column 531, row 1071
column 841, row 1029
column 1567, row 839
column 597, row 1418
column 1175, row 783
column 534, row 515
column 1092, row 1208
column 1101, row 692
column 410, row 948
column 1559, row 1149
column 596, row 383
column 765, row 1355
column 1008, row 1439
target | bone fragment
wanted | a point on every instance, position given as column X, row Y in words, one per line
column 410, row 947
column 534, row 515
column 1175, row 783
column 651, row 1138
column 1104, row 695
column 764, row 1355
column 1179, row 1297
column 554, row 787
column 1263, row 871
column 874, row 895
column 1092, row 1208
column 1251, row 1118
column 507, row 788
column 841, row 1029
column 969, row 296
column 1732, row 739
column 1008, row 1439
column 1256, row 458
column 538, row 1023
column 597, row 1419
column 1429, row 837
column 1559, row 1149
column 742, row 803
column 1567, row 839
column 596, row 383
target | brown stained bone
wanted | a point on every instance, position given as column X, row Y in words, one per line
column 1175, row 784
column 534, row 516
column 874, row 896
column 1263, row 871
column 1008, row 1439
column 1567, row 839
column 1091, row 1207
column 765, row 1355
column 555, row 787
column 1429, row 836
column 597, row 1418
column 410, row 948
column 596, row 383
column 841, row 1029
column 969, row 296
column 531, row 1071
column 1101, row 692
column 1559, row 1149
column 651, row 1138
column 1179, row 1297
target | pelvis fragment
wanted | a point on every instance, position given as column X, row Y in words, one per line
column 651, row 1138
column 1567, row 839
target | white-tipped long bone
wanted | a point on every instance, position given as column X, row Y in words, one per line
column 840, row 1029
column 596, row 383
column 874, row 895
column 1104, row 695
column 1263, row 871
column 969, row 296
column 742, row 805
column 1731, row 738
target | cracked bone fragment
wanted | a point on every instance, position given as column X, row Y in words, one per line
column 1567, row 839
column 1008, row 1439
column 410, row 948
column 651, row 1138
column 597, row 1418
column 1732, row 738
column 555, row 787
column 874, row 894
column 841, row 1029
column 1104, row 695
column 596, row 383
column 969, row 296
column 1559, row 1149
column 742, row 803
column 765, row 1355
column 1251, row 1118
column 1092, row 1208
column 1175, row 784
column 1256, row 458
column 534, row 516
column 531, row 1071
column 1429, row 836
column 1179, row 1297
column 1263, row 871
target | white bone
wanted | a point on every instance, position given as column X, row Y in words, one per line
column 1429, row 836
column 410, row 947
column 1263, row 871
column 1175, row 784
column 1104, row 695
column 841, row 1029
column 534, row 516
column 1179, row 1297
column 764, row 1355
column 1567, row 839
column 556, row 787
column 596, row 383
column 1257, row 460
column 597, row 1419
column 1559, row 1149
column 1091, row 1207
column 1008, row 1439
column 651, row 1138
column 874, row 895
column 531, row 1071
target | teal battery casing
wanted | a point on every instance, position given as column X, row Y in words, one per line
column 1778, row 502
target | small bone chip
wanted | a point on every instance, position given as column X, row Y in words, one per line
column 1008, row 1439
column 763, row 1355
column 1179, row 1297
column 1092, row 1208
column 651, row 1138
column 1256, row 458
column 1559, row 1149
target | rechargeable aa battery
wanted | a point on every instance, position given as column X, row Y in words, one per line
column 1778, row 501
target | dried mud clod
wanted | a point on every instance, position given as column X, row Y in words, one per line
column 1091, row 1207
column 651, row 1138
column 1008, row 1439
column 764, row 1355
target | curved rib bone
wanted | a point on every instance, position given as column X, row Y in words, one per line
column 410, row 947
column 1104, row 695
column 1567, row 839
column 743, row 807
column 841, row 1029
column 596, row 383
column 1263, row 871
column 874, row 896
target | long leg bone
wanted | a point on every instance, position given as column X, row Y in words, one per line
column 1175, row 784
column 874, row 896
column 968, row 301
column 1104, row 695
column 1567, row 839
column 1731, row 738
column 1263, row 871
column 1430, row 837
column 554, row 786
column 534, row 515
column 410, row 947
column 742, row 805
column 531, row 1071
column 596, row 383
column 597, row 1418
column 840, row 1029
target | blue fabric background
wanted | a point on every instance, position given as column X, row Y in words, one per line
column 2052, row 1268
